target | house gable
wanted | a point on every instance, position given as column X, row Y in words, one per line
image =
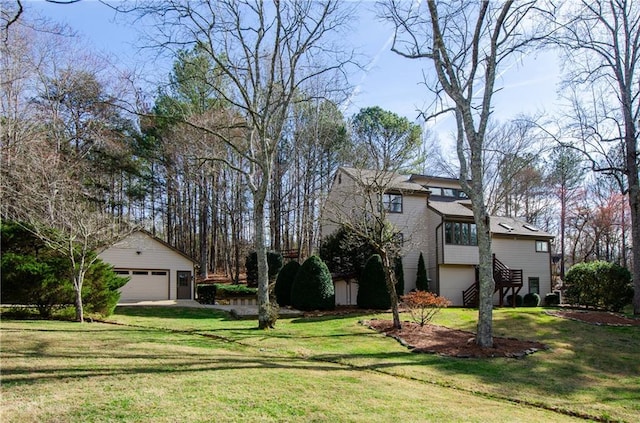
column 153, row 266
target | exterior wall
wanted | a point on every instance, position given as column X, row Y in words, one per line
column 433, row 254
column 339, row 205
column 461, row 254
column 520, row 253
column 412, row 224
column 153, row 255
column 344, row 200
column 454, row 280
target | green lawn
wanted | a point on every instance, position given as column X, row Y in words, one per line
column 169, row 364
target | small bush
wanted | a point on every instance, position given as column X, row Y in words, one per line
column 423, row 305
column 206, row 293
column 274, row 261
column 552, row 299
column 422, row 281
column 372, row 288
column 531, row 300
column 518, row 300
column 313, row 287
column 284, row 282
column 599, row 284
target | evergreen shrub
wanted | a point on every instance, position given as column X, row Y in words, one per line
column 274, row 261
column 312, row 287
column 531, row 300
column 599, row 284
column 35, row 275
column 344, row 253
column 372, row 289
column 518, row 300
column 552, row 299
column 206, row 293
column 422, row 281
column 284, row 282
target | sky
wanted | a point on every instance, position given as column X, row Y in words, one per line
column 528, row 86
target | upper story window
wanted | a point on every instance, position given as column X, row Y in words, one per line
column 392, row 203
column 460, row 233
column 452, row 193
column 542, row 246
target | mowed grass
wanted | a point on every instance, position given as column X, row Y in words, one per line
column 171, row 364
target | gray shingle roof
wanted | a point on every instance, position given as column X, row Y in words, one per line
column 451, row 208
column 389, row 180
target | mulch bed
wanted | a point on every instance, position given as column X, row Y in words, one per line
column 434, row 339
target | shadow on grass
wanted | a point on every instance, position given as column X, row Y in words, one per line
column 173, row 312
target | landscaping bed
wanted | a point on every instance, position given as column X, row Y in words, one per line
column 441, row 340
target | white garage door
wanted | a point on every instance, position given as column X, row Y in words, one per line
column 144, row 285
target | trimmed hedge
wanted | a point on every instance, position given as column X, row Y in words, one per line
column 228, row 291
column 552, row 299
column 313, row 287
column 284, row 282
column 531, row 300
column 206, row 293
column 372, row 288
column 599, row 284
column 518, row 300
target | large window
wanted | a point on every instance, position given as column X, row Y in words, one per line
column 534, row 285
column 392, row 203
column 460, row 233
column 542, row 246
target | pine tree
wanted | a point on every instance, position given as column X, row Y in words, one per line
column 422, row 281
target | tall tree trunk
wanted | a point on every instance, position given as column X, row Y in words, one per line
column 259, row 197
column 390, row 281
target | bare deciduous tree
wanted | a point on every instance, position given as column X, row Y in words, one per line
column 466, row 42
column 266, row 52
column 601, row 40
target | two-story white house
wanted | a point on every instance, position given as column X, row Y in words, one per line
column 435, row 218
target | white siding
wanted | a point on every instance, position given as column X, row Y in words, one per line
column 344, row 201
column 520, row 253
column 412, row 223
column 461, row 254
column 140, row 251
column 454, row 280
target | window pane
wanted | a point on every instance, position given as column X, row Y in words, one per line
column 465, row 234
column 448, row 232
column 392, row 202
column 473, row 234
column 534, row 285
column 542, row 246
column 448, row 192
column 456, row 233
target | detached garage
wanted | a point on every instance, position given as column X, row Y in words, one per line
column 156, row 270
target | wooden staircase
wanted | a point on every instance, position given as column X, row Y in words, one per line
column 507, row 281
